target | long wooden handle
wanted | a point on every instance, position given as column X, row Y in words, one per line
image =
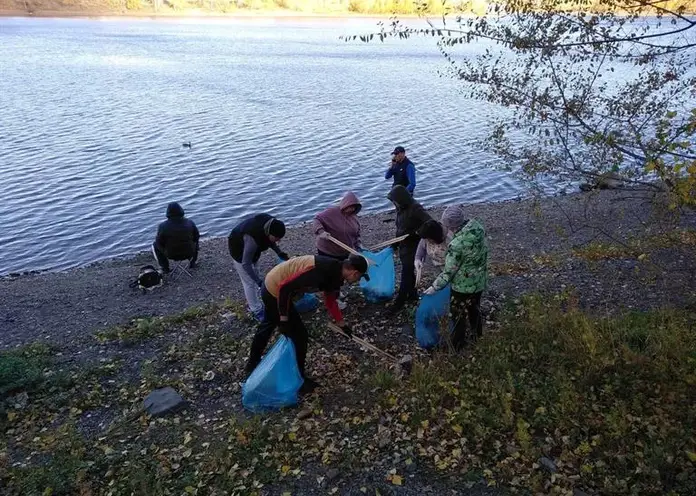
column 349, row 249
column 388, row 242
column 362, row 342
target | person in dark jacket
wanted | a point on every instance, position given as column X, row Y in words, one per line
column 410, row 217
column 402, row 170
column 247, row 241
column 305, row 274
column 177, row 239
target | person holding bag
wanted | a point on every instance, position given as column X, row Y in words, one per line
column 466, row 269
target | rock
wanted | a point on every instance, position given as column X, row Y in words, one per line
column 162, row 401
column 408, row 330
column 548, row 464
column 579, row 492
column 332, row 474
column 303, row 414
column 20, row 401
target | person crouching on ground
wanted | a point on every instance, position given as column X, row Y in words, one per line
column 341, row 222
column 466, row 269
column 432, row 245
column 305, row 274
column 247, row 241
column 177, row 239
column 410, row 216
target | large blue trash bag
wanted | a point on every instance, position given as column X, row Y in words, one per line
column 380, row 287
column 275, row 382
column 429, row 317
column 307, row 303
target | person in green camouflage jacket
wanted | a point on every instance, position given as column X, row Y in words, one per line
column 466, row 270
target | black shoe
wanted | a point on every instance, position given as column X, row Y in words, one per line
column 192, row 265
column 308, row 386
column 396, row 307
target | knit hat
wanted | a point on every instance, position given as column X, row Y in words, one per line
column 276, row 228
column 453, row 218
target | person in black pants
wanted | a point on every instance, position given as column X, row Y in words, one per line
column 300, row 275
column 410, row 216
column 466, row 309
column 177, row 239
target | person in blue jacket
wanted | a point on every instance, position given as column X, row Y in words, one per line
column 402, row 170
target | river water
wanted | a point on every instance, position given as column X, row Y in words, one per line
column 282, row 116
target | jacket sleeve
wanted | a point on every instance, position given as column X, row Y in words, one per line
column 196, row 232
column 331, row 304
column 318, row 227
column 453, row 263
column 161, row 239
column 389, row 173
column 250, row 247
column 421, row 251
column 411, row 175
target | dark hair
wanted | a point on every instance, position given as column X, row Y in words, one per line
column 433, row 231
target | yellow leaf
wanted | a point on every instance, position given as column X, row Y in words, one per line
column 691, row 455
column 11, row 416
column 425, row 424
column 397, row 480
column 107, row 450
column 292, row 436
column 458, row 429
column 187, row 453
column 285, row 469
column 190, row 490
column 187, row 437
column 48, row 491
column 287, row 493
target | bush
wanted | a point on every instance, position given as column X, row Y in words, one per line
column 22, row 369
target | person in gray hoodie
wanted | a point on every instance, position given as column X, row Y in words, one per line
column 341, row 222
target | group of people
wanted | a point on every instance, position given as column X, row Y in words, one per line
column 454, row 244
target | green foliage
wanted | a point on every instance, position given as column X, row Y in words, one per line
column 22, row 368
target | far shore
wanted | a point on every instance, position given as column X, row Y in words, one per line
column 199, row 14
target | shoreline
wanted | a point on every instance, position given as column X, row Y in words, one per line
column 531, row 250
column 146, row 251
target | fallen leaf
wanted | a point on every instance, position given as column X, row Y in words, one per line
column 397, row 480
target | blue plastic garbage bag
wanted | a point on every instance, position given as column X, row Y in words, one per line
column 275, row 382
column 307, row 303
column 429, row 315
column 380, row 287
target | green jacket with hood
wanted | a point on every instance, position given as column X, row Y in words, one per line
column 466, row 261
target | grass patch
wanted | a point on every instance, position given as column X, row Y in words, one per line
column 22, row 368
column 607, row 401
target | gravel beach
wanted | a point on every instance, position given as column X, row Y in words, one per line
column 534, row 247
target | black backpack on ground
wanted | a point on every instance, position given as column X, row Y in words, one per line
column 148, row 279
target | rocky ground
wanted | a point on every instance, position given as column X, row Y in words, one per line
column 99, row 347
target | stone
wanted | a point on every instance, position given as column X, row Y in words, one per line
column 162, row 401
column 548, row 464
column 579, row 492
column 332, row 473
column 307, row 412
column 408, row 330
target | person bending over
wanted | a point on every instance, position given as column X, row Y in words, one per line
column 247, row 241
column 290, row 279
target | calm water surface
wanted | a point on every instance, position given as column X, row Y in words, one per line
column 282, row 117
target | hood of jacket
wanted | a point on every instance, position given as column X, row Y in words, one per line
column 350, row 200
column 400, row 196
column 174, row 211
